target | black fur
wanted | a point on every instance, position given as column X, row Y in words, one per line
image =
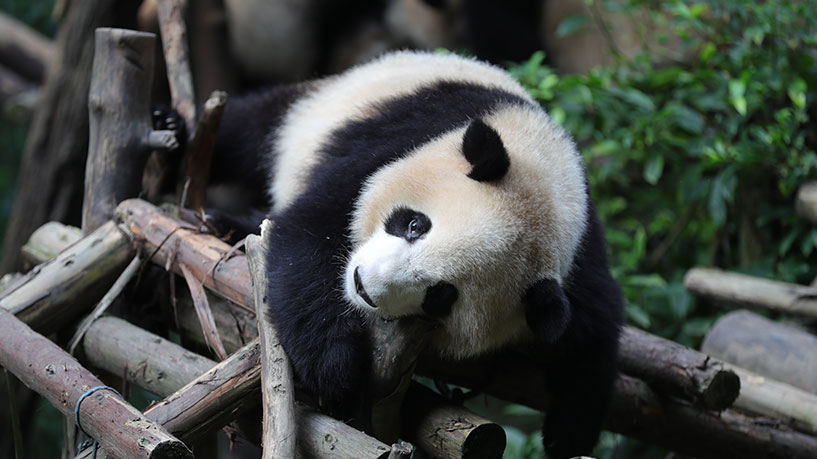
column 483, row 148
column 547, row 310
column 439, row 299
column 582, row 373
column 407, row 224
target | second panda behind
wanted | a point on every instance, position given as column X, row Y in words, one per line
column 427, row 184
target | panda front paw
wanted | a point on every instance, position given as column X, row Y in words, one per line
column 165, row 118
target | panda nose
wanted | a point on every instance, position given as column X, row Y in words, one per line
column 362, row 291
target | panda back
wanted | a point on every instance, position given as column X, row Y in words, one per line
column 398, row 82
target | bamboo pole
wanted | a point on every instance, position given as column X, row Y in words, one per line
column 752, row 292
column 48, row 370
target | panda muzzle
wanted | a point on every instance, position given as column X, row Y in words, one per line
column 362, row 291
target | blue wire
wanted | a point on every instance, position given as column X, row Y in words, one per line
column 76, row 412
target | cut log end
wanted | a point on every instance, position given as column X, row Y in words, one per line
column 486, row 441
column 722, row 390
column 171, row 450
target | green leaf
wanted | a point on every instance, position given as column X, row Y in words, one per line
column 571, row 25
column 653, row 169
column 797, row 93
column 707, row 51
column 638, row 316
column 737, row 92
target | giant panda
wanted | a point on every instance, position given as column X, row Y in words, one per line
column 426, row 184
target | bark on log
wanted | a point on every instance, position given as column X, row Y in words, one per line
column 48, row 370
column 752, row 292
column 806, row 202
column 23, row 49
column 397, row 345
column 200, row 151
column 163, row 367
column 174, row 43
column 638, row 412
column 785, row 353
column 677, row 370
column 277, row 386
column 57, row 292
column 445, row 430
column 120, row 122
column 49, row 184
column 213, row 399
column 163, row 237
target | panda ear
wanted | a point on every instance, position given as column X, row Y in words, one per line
column 483, row 148
column 547, row 310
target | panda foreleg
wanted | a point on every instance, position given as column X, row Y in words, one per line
column 582, row 374
column 322, row 335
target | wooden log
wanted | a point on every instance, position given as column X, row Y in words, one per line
column 57, row 292
column 768, row 348
column 678, row 370
column 777, row 400
column 214, row 398
column 517, row 378
column 23, row 49
column 638, row 412
column 174, row 44
column 445, row 430
column 200, row 151
column 752, row 292
column 48, row 370
column 120, row 122
column 165, row 237
column 48, row 241
column 163, row 367
column 151, row 362
column 277, row 386
column 806, row 201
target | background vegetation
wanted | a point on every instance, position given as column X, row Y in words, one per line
column 696, row 163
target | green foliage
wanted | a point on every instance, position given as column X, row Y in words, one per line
column 696, row 164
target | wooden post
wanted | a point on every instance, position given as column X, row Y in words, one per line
column 23, row 49
column 174, row 44
column 48, row 370
column 277, row 386
column 120, row 125
column 772, row 349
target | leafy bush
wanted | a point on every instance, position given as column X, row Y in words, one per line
column 696, row 163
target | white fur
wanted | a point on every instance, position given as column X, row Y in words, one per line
column 350, row 96
column 491, row 240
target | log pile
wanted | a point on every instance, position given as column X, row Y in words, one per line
column 709, row 404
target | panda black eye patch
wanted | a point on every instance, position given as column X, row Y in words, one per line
column 407, row 224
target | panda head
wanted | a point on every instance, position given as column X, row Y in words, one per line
column 461, row 228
